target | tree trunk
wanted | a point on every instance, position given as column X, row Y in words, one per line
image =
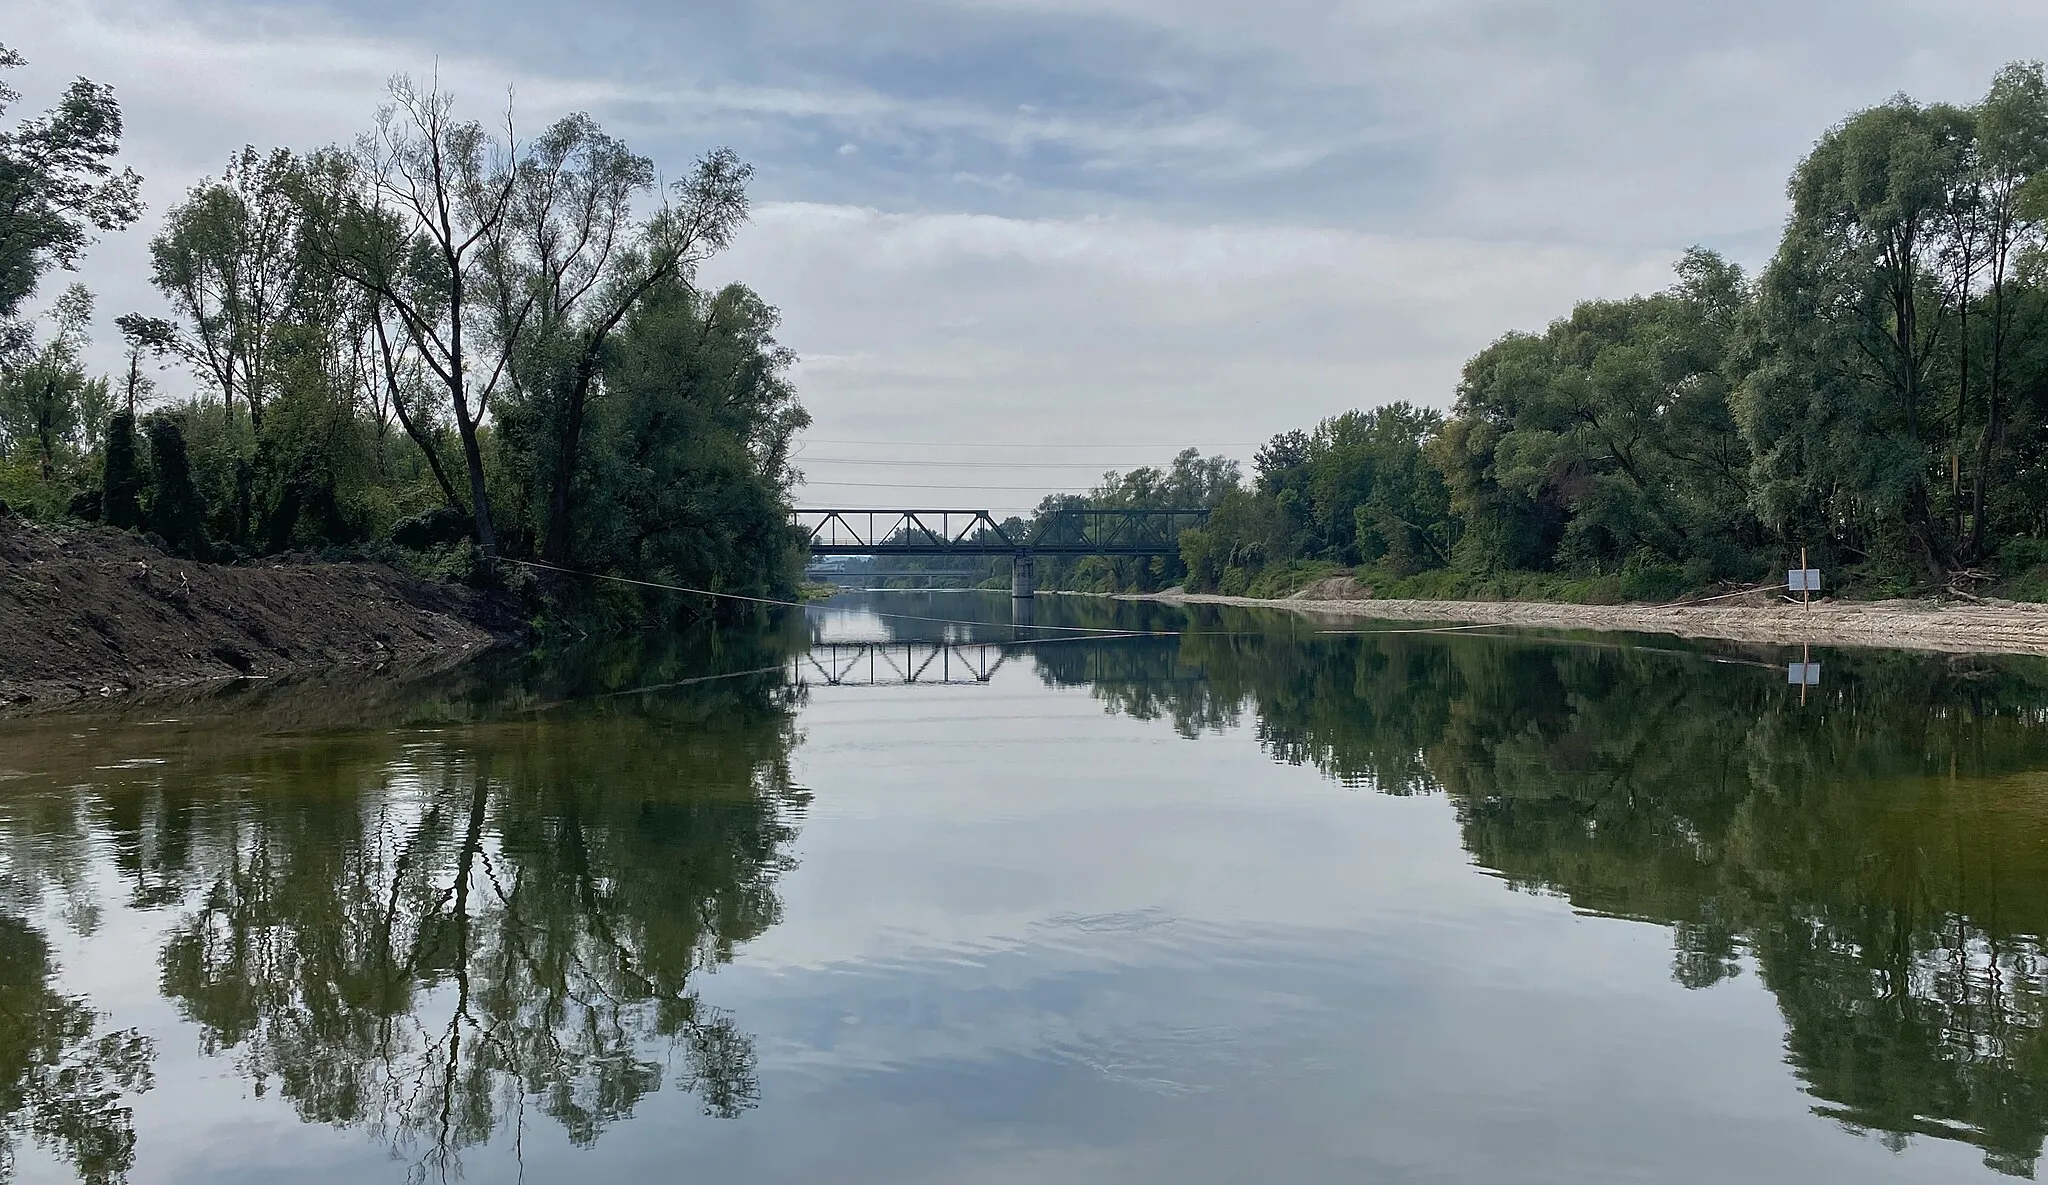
column 479, row 503
column 1962, row 409
column 2001, row 248
column 419, row 437
column 556, row 548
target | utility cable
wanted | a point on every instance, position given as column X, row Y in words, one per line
column 705, row 592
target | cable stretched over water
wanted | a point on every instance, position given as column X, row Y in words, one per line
column 705, row 592
column 1443, row 629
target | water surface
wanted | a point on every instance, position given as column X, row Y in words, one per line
column 1206, row 896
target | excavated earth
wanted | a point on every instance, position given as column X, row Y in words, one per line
column 1954, row 627
column 94, row 613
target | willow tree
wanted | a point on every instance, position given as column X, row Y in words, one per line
column 430, row 198
column 567, row 266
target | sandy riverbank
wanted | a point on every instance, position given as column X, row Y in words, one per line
column 1954, row 627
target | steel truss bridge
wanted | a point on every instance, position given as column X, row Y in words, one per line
column 897, row 664
column 1076, row 532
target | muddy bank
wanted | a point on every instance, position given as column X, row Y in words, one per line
column 1991, row 627
column 94, row 613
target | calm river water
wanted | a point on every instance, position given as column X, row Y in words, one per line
column 862, row 899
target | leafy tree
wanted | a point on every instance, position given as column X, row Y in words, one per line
column 2011, row 186
column 568, row 265
column 1608, row 435
column 685, row 471
column 229, row 259
column 47, row 403
column 1360, row 489
column 175, row 512
column 151, row 336
column 58, row 184
column 1191, row 482
column 429, row 208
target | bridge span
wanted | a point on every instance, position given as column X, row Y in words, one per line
column 967, row 533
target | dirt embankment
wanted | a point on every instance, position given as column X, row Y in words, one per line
column 96, row 613
column 1988, row 627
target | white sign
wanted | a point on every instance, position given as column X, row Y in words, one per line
column 1802, row 579
column 1803, row 674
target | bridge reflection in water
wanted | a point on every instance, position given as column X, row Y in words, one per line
column 898, row 664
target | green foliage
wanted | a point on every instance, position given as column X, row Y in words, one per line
column 49, row 408
column 174, row 513
column 57, row 186
column 1191, row 481
column 121, row 475
column 1878, row 397
column 434, row 324
column 683, row 471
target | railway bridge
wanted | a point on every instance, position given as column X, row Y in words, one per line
column 976, row 533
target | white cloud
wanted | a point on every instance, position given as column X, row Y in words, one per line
column 961, row 327
column 1300, row 206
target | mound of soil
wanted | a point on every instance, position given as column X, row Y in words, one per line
column 95, row 613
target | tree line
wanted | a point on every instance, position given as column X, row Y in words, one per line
column 446, row 341
column 1876, row 394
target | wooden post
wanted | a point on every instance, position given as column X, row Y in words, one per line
column 1805, row 586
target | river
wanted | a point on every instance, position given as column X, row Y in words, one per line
column 877, row 893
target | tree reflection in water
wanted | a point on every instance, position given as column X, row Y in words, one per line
column 1880, row 853
column 496, row 910
column 63, row 1083
column 433, row 933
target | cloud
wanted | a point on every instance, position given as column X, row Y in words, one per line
column 967, row 327
column 1142, row 219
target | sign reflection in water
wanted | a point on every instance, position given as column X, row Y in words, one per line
column 496, row 908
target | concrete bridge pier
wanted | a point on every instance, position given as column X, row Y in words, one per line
column 1023, row 576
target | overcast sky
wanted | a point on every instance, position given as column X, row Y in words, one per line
column 1125, row 224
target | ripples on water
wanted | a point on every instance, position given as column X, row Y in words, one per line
column 854, row 898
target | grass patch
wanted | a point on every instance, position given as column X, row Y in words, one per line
column 1446, row 585
column 1284, row 580
column 2031, row 585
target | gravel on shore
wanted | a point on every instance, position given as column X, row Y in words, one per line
column 1953, row 627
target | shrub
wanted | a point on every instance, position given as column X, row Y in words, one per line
column 121, row 480
column 175, row 513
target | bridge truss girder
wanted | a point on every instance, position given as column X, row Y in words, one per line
column 1077, row 532
column 897, row 664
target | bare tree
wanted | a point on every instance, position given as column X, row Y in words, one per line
column 433, row 196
